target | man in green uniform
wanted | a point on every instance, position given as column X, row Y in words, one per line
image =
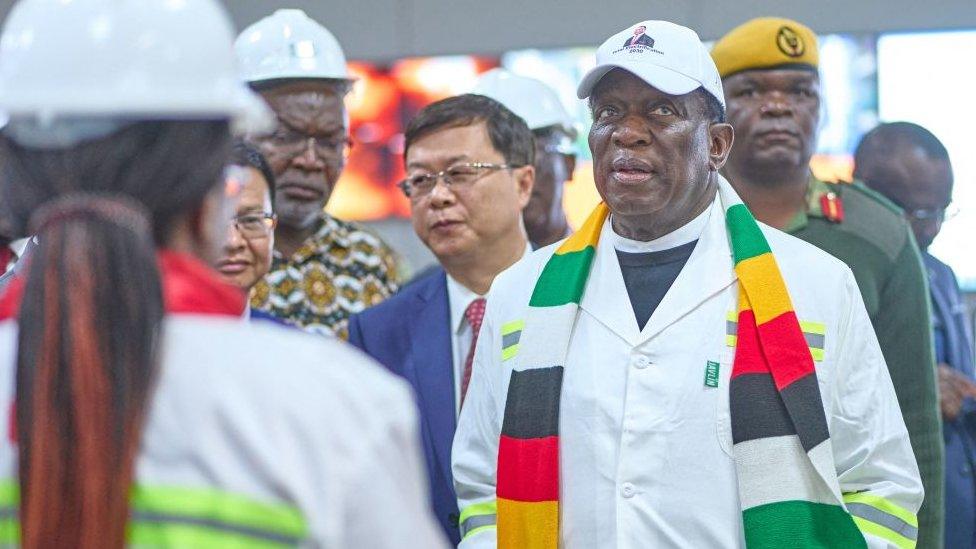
column 769, row 70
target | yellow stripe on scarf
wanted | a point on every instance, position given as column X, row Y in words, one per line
column 588, row 234
column 765, row 277
column 528, row 525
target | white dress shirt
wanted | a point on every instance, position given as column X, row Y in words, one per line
column 458, row 299
column 689, row 232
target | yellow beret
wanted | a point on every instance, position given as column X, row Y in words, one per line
column 764, row 43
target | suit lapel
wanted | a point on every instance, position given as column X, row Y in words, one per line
column 433, row 368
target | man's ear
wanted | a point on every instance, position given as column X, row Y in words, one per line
column 720, row 138
column 524, row 181
column 570, row 160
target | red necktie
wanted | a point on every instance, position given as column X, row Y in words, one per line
column 475, row 313
column 6, row 256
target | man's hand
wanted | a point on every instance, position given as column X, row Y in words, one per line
column 954, row 389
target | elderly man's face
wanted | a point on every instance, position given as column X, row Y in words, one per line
column 307, row 150
column 775, row 115
column 650, row 149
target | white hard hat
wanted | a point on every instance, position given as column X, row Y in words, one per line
column 531, row 99
column 289, row 44
column 118, row 59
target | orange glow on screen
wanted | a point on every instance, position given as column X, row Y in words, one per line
column 381, row 103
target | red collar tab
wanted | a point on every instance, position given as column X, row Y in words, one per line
column 189, row 287
column 832, row 207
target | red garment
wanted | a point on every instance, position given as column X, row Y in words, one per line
column 189, row 287
column 475, row 313
column 6, row 256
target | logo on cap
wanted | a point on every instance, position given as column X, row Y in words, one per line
column 639, row 38
column 789, row 42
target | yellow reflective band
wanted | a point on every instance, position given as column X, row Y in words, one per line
column 477, row 509
column 9, row 523
column 882, row 504
column 814, row 332
column 880, row 517
column 510, row 352
column 513, row 326
column 217, row 508
column 879, row 531
column 9, row 493
column 511, row 335
column 186, row 517
column 817, row 328
column 486, row 510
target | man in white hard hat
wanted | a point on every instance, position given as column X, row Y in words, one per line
column 555, row 158
column 324, row 269
column 614, row 402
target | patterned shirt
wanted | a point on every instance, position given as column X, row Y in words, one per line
column 340, row 270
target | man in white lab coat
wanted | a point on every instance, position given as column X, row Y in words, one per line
column 674, row 374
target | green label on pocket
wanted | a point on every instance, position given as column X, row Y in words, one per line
column 711, row 374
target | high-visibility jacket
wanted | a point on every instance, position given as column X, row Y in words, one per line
column 644, row 427
column 262, row 436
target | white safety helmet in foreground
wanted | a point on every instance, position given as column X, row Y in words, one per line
column 112, row 60
column 531, row 99
column 289, row 44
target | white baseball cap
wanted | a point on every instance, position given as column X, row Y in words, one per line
column 668, row 57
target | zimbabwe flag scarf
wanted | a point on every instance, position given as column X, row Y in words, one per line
column 781, row 447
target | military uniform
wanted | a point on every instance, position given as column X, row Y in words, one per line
column 341, row 269
column 868, row 233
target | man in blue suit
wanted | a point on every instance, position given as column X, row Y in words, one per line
column 469, row 174
column 911, row 167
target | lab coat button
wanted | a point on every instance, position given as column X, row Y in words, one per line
column 627, row 490
column 641, row 362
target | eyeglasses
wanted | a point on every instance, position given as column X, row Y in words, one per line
column 291, row 144
column 253, row 226
column 930, row 214
column 458, row 175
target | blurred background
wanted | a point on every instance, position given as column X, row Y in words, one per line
column 880, row 61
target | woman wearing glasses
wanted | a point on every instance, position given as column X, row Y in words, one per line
column 246, row 254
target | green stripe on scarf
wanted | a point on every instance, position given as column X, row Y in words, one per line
column 747, row 239
column 800, row 524
column 560, row 282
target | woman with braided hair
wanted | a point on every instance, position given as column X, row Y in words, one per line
column 138, row 408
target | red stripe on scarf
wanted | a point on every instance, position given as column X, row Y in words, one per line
column 786, row 349
column 748, row 352
column 528, row 468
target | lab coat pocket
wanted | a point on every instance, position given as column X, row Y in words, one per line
column 723, row 420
